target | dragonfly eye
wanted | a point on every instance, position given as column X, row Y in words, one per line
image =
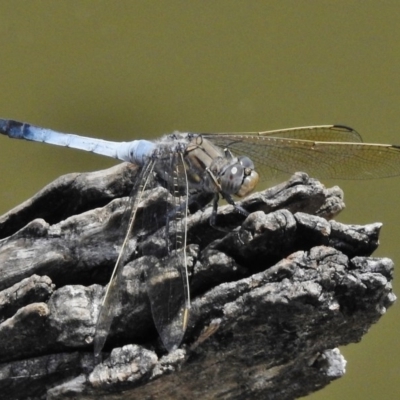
column 239, row 178
column 232, row 178
column 246, row 162
column 250, row 177
column 249, row 183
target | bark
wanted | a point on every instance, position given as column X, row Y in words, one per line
column 273, row 297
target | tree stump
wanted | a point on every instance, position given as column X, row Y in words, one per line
column 272, row 298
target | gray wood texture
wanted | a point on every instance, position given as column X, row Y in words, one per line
column 273, row 298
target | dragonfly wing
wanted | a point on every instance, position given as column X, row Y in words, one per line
column 169, row 299
column 167, row 280
column 323, row 159
column 322, row 133
column 111, row 298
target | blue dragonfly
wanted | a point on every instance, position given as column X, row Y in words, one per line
column 221, row 165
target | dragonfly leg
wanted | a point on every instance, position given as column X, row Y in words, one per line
column 239, row 209
column 213, row 217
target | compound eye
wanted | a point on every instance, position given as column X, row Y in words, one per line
column 249, row 183
column 232, row 178
column 246, row 162
column 235, row 173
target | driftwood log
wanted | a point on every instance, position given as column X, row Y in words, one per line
column 272, row 299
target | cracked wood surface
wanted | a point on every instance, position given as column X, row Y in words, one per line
column 272, row 299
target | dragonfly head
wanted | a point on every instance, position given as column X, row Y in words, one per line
column 239, row 178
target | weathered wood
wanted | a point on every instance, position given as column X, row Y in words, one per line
column 272, row 299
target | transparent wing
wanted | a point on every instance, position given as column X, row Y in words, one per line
column 307, row 149
column 111, row 297
column 167, row 281
column 324, row 133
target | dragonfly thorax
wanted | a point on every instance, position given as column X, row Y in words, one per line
column 216, row 170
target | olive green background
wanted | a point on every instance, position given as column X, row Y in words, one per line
column 133, row 69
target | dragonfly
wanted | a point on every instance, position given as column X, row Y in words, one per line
column 224, row 165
